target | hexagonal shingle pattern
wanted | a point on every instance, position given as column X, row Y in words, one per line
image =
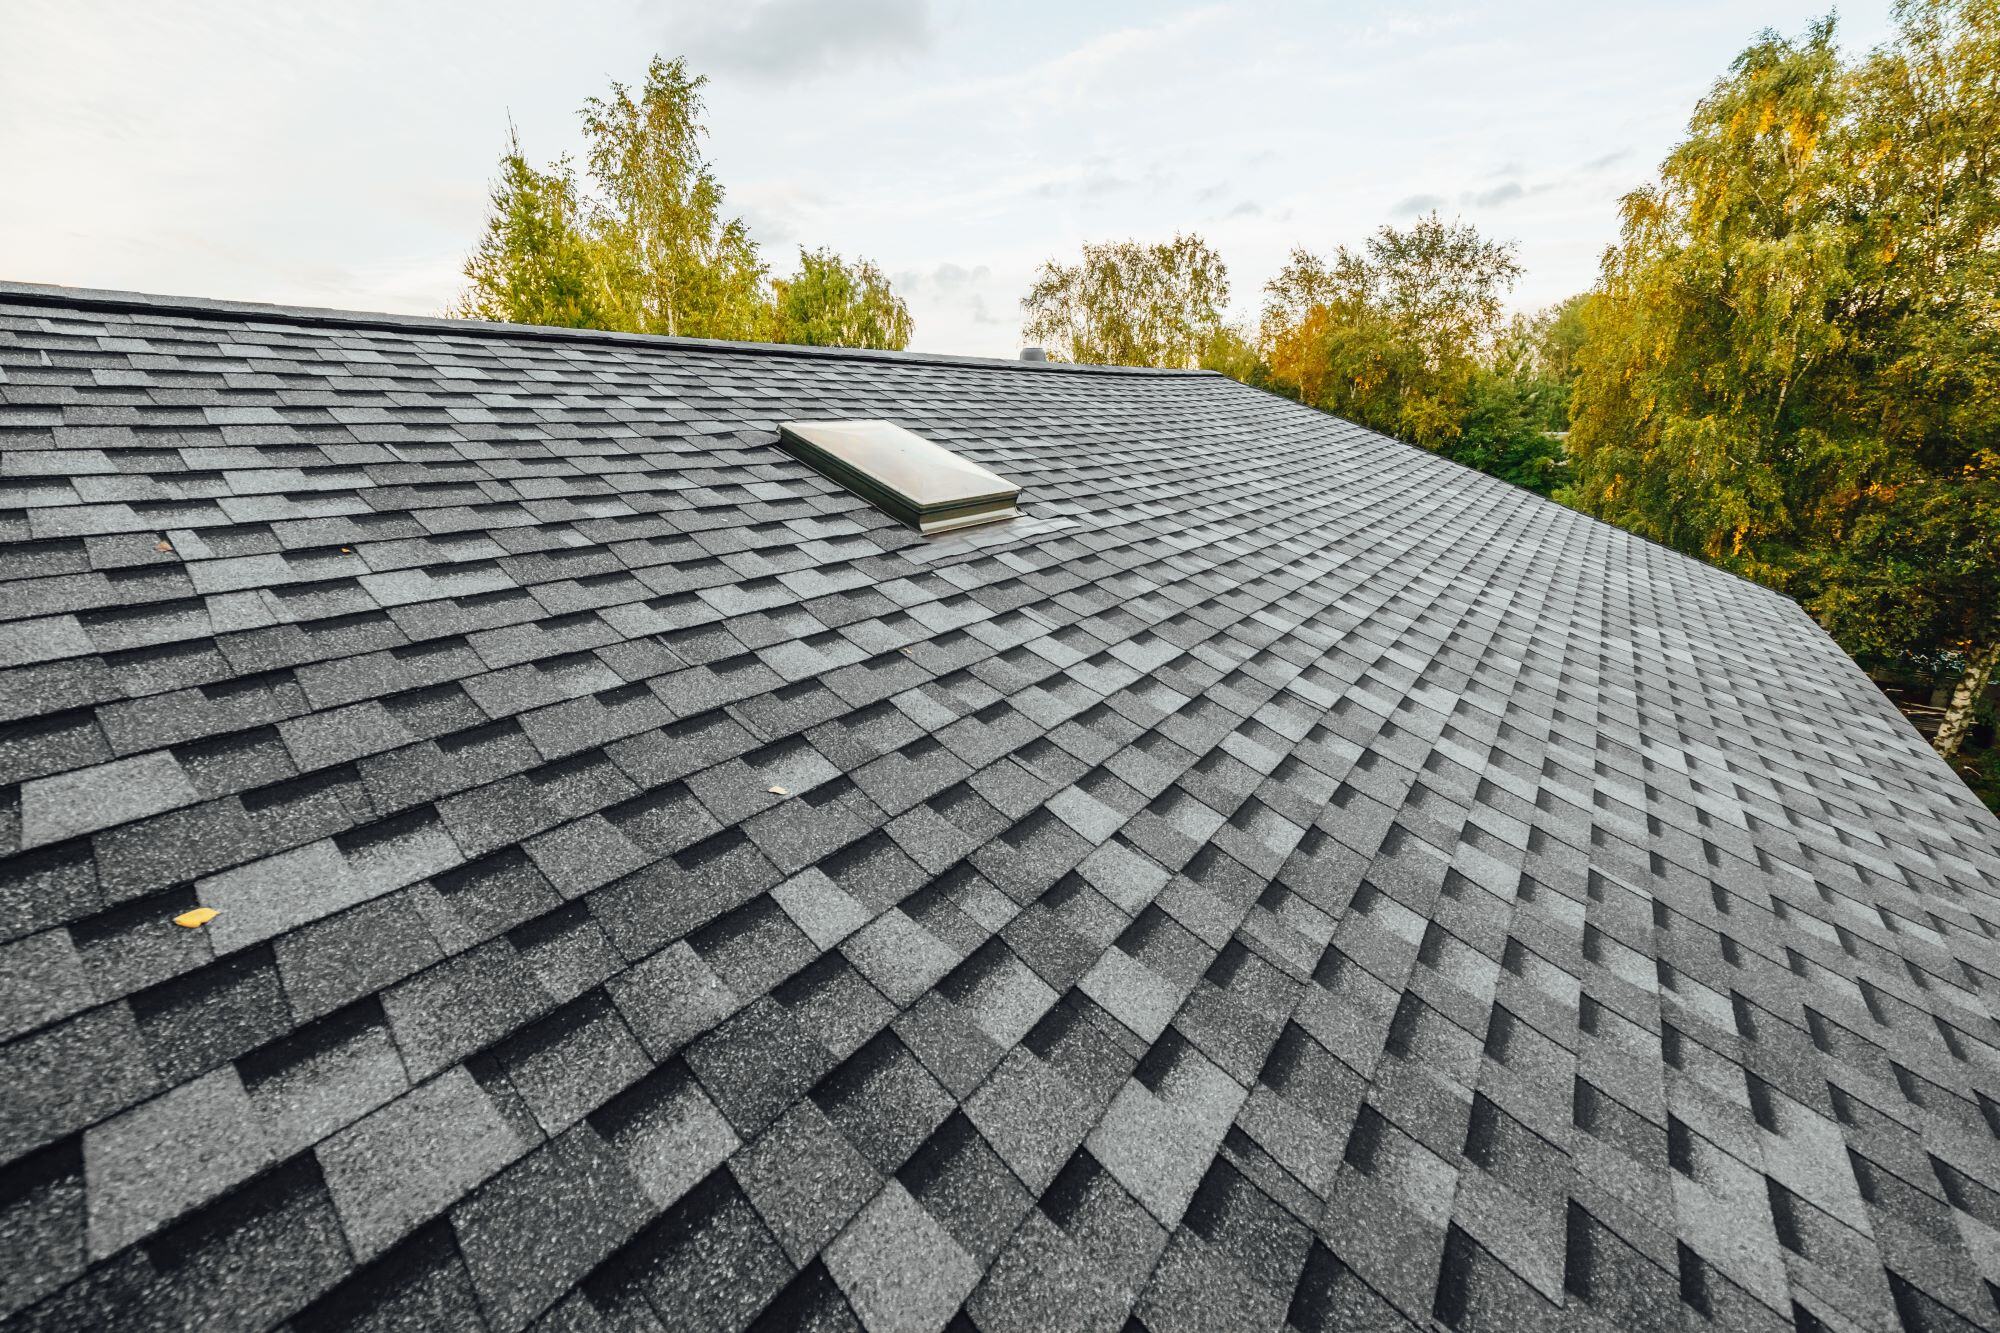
column 1282, row 879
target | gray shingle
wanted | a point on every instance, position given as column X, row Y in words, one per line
column 169, row 1155
column 539, row 1228
column 899, row 1268
column 214, row 1013
column 340, row 958
column 41, row 980
column 1280, row 877
column 405, row 1163
column 805, row 1180
column 900, row 957
column 324, row 1076
column 42, row 1226
column 757, row 1062
column 88, row 799
column 55, row 1081
column 279, row 893
column 671, row 998
column 571, row 1062
column 819, row 908
column 448, row 1011
column 668, row 1132
column 710, row 1262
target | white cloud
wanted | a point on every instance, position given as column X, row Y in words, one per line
column 1505, row 193
column 773, row 39
column 946, row 279
column 341, row 154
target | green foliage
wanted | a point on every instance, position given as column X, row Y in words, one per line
column 830, row 303
column 1501, row 430
column 649, row 249
column 1540, row 350
column 1794, row 362
column 681, row 266
column 1232, row 351
column 1792, row 357
column 1129, row 304
column 1406, row 336
column 537, row 264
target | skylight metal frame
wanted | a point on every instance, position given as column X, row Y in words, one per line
column 912, row 479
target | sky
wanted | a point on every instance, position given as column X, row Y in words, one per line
column 340, row 154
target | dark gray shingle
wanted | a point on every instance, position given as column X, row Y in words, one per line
column 1281, row 877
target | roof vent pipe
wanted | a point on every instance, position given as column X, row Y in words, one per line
column 1034, row 354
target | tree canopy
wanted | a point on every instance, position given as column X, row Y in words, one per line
column 648, row 247
column 831, row 303
column 1408, row 336
column 1127, row 303
column 538, row 262
column 679, row 264
column 1791, row 361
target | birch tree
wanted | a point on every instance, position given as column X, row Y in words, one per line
column 644, row 243
column 1126, row 303
column 829, row 302
column 1792, row 357
column 1408, row 335
column 682, row 267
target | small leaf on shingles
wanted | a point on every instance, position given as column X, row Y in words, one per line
column 777, row 791
column 164, row 545
column 199, row 916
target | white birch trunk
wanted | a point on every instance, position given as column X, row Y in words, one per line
column 1979, row 668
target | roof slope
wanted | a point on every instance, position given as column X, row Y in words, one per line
column 1283, row 876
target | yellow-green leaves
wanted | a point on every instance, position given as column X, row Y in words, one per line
column 1125, row 303
column 644, row 246
column 1407, row 335
column 831, row 303
column 1792, row 361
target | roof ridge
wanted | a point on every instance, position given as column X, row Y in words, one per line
column 92, row 298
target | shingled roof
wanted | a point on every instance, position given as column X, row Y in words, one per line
column 1281, row 878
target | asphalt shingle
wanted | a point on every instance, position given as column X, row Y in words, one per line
column 405, row 1163
column 84, row 800
column 1282, row 878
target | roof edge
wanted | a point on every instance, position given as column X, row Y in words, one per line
column 92, row 298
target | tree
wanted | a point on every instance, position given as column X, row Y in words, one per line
column 1391, row 336
column 1792, row 357
column 1301, row 307
column 682, row 267
column 1232, row 351
column 1540, row 350
column 1407, row 336
column 1130, row 304
column 537, row 264
column 1503, row 428
column 647, row 248
column 830, row 303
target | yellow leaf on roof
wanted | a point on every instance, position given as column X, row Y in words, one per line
column 777, row 791
column 200, row 916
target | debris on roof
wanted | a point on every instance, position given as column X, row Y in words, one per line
column 1280, row 878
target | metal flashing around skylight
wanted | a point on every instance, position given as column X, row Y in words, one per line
column 901, row 473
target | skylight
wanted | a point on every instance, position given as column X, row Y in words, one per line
column 901, row 473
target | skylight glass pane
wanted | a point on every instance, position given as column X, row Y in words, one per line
column 902, row 473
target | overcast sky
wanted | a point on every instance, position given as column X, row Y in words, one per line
column 340, row 154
